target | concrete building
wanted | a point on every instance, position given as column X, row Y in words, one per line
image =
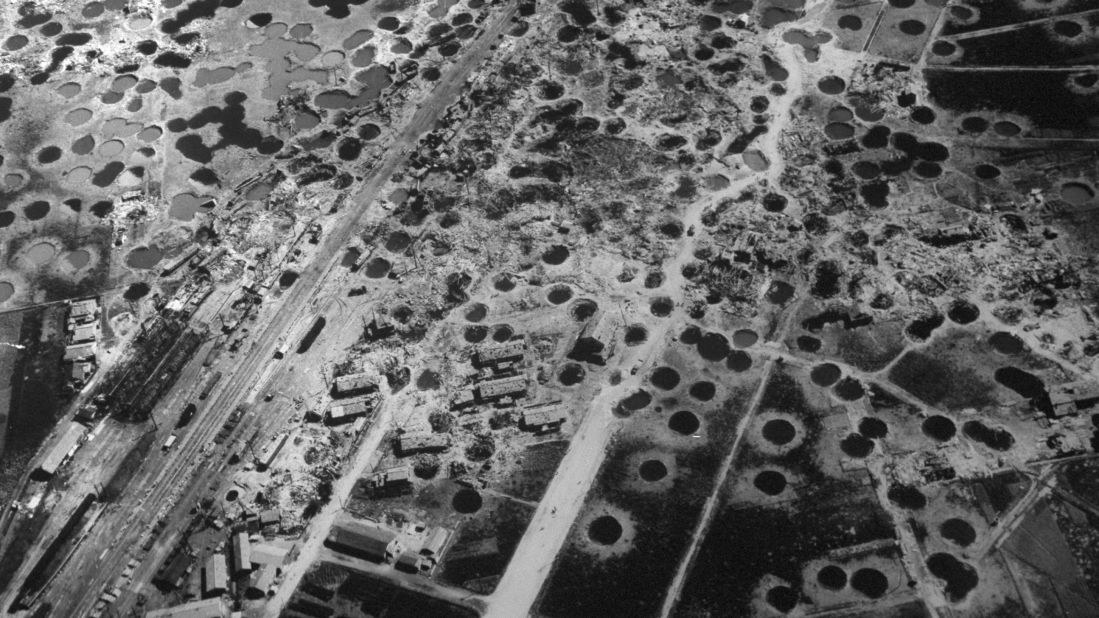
column 346, row 412
column 83, row 311
column 543, row 418
column 354, row 384
column 502, row 388
column 83, row 333
column 267, row 554
column 495, row 355
column 80, row 371
column 270, row 517
column 1071, row 397
column 65, row 447
column 215, row 576
column 263, row 580
column 421, row 442
column 462, row 399
column 209, row 608
column 81, row 351
column 242, row 553
column 378, row 328
column 409, row 562
column 363, row 541
column 391, row 482
column 435, row 544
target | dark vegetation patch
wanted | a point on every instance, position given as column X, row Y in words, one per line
column 829, row 513
column 635, row 582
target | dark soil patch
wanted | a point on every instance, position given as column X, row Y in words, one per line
column 691, row 335
column 960, row 577
column 808, row 344
column 779, row 431
column 665, row 378
column 502, row 333
column 703, row 391
column 652, row 470
column 571, row 374
column 939, row 428
column 661, row 306
column 825, row 374
column 684, row 423
column 994, row 438
column 636, row 334
column 637, row 400
column 871, row 582
column 963, row 312
column 958, row 531
column 745, row 338
column 770, row 482
column 287, row 278
column 782, row 598
column 857, row 445
column 738, row 361
column 555, row 255
column 504, row 283
column 136, row 291
column 872, row 427
column 1006, row 343
column 475, row 334
column 583, row 309
column 920, row 329
column 377, row 268
column 559, row 294
column 832, row 577
column 713, row 347
column 476, row 312
column 780, row 292
column 605, row 530
column 467, row 501
column 1025, row 384
column 428, row 380
column 849, row 389
column 907, row 497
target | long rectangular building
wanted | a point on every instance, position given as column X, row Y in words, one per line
column 216, row 576
column 421, row 442
column 355, row 384
column 61, row 451
column 510, row 352
column 362, row 541
column 543, row 418
column 349, row 411
column 209, row 608
column 242, row 553
column 491, row 390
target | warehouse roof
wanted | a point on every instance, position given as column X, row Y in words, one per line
column 72, row 436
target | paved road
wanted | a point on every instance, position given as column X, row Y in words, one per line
column 172, row 477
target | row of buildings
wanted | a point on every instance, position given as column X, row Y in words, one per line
column 82, row 330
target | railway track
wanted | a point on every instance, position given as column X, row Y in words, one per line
column 174, row 481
